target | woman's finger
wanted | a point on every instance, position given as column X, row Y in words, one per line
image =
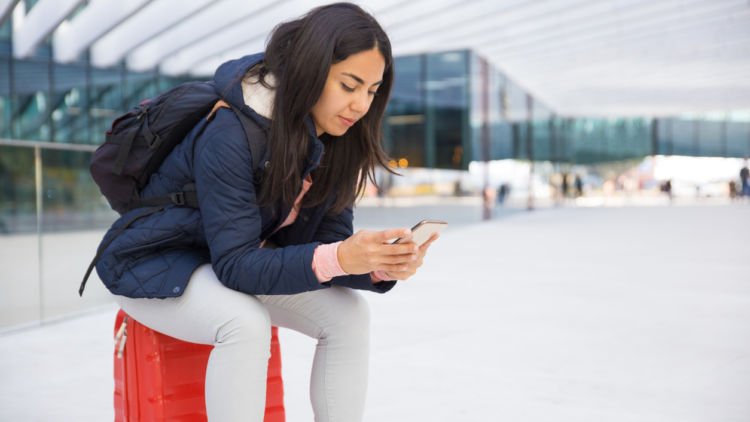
column 397, row 275
column 403, row 259
column 399, row 249
column 386, row 236
column 394, row 268
column 401, row 275
column 427, row 244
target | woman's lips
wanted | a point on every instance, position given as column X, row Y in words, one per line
column 347, row 122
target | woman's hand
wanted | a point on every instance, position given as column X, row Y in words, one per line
column 410, row 268
column 367, row 251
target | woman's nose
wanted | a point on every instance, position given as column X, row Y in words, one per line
column 361, row 103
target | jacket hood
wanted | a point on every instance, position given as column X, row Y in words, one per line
column 229, row 75
column 228, row 81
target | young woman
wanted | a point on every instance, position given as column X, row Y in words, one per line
column 274, row 244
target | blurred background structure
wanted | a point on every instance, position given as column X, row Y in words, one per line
column 522, row 104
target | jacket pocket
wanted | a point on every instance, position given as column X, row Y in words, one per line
column 154, row 245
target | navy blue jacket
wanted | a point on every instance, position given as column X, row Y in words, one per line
column 155, row 256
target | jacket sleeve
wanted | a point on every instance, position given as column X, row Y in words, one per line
column 232, row 220
column 334, row 228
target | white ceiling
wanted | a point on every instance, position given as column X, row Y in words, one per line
column 581, row 57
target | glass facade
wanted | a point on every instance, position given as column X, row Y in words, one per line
column 712, row 138
column 448, row 106
column 58, row 105
column 404, row 129
column 427, row 120
column 447, row 109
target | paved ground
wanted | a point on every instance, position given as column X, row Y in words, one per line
column 569, row 314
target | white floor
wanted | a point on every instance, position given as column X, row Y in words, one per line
column 574, row 314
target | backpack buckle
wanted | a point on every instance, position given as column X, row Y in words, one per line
column 178, row 198
column 153, row 142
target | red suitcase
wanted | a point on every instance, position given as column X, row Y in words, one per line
column 159, row 378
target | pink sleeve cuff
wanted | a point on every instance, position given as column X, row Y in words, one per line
column 325, row 262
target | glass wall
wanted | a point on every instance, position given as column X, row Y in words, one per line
column 52, row 215
column 51, row 219
column 444, row 104
column 71, row 199
column 17, row 190
column 19, row 256
column 68, row 103
column 588, row 141
column 405, row 124
column 737, row 139
column 427, row 118
column 447, row 103
column 711, row 138
column 489, row 89
column 69, row 117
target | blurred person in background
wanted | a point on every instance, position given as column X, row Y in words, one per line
column 502, row 193
column 745, row 185
column 564, row 187
column 578, row 183
column 666, row 187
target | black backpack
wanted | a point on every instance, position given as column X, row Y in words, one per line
column 140, row 140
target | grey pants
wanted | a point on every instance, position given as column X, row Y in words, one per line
column 239, row 327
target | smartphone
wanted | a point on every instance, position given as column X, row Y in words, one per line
column 422, row 231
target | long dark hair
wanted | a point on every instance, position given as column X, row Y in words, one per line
column 299, row 55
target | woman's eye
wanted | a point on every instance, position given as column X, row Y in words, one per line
column 373, row 93
column 347, row 88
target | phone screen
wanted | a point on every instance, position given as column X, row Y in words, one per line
column 422, row 231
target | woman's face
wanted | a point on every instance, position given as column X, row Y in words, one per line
column 348, row 93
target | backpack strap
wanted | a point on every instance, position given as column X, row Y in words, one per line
column 127, row 142
column 258, row 150
column 187, row 196
column 257, row 144
column 219, row 104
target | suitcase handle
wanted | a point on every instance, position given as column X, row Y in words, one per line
column 121, row 337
